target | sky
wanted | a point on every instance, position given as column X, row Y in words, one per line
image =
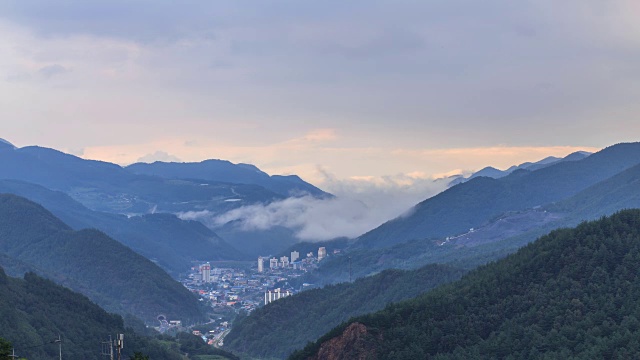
column 350, row 95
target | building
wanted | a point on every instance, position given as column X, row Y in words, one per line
column 284, row 262
column 273, row 263
column 260, row 264
column 205, row 270
column 295, row 256
column 271, row 296
column 322, row 253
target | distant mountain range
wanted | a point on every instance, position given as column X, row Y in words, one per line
column 90, row 262
column 227, row 172
column 478, row 201
column 108, row 187
column 571, row 295
column 485, row 219
column 146, row 190
column 494, row 173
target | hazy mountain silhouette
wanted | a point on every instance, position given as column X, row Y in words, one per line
column 225, row 171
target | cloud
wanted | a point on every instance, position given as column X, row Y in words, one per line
column 361, row 205
column 158, row 156
column 377, row 76
column 310, row 218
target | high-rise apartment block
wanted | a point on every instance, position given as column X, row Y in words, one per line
column 205, row 270
column 260, row 264
column 271, row 296
column 295, row 256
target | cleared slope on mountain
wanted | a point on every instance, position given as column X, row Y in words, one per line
column 225, row 171
column 90, row 262
column 277, row 329
column 476, row 202
column 169, row 241
column 571, row 294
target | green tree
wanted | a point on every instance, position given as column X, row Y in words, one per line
column 5, row 349
column 139, row 356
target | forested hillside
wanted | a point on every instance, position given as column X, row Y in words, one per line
column 35, row 311
column 90, row 262
column 571, row 294
column 277, row 329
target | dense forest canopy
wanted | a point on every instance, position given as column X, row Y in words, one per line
column 572, row 294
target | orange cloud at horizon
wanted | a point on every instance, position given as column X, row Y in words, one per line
column 313, row 154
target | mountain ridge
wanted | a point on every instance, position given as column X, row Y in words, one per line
column 225, row 171
column 472, row 203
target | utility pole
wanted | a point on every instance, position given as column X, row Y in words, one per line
column 349, row 268
column 119, row 345
column 59, row 341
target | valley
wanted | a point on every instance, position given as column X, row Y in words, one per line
column 227, row 298
column 319, row 180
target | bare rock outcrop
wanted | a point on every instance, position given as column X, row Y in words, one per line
column 355, row 342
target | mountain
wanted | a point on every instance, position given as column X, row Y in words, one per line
column 172, row 243
column 495, row 239
column 298, row 319
column 531, row 166
column 88, row 261
column 478, row 201
column 225, row 171
column 489, row 172
column 571, row 294
column 108, row 187
column 621, row 191
column 210, row 188
column 4, row 144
